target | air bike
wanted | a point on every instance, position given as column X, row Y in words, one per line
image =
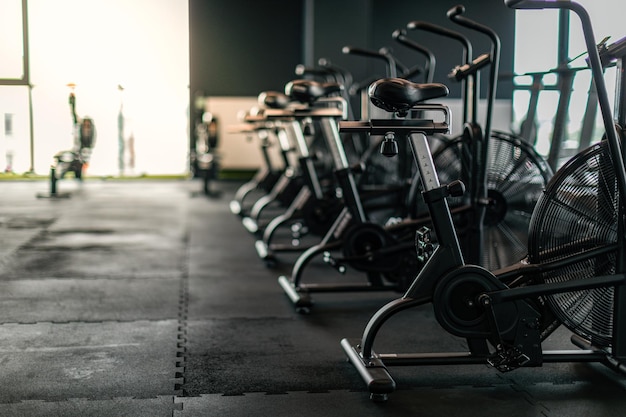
column 573, row 275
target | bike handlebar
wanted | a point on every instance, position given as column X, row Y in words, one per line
column 383, row 53
column 616, row 50
column 400, row 36
column 462, row 71
column 429, row 27
column 455, row 15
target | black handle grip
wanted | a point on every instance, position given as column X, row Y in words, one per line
column 360, row 51
column 429, row 66
column 455, row 11
column 439, row 30
column 304, row 70
column 400, row 36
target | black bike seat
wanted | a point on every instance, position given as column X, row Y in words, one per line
column 400, row 95
column 273, row 100
column 308, row 91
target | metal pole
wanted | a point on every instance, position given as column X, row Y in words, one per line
column 563, row 45
column 26, row 80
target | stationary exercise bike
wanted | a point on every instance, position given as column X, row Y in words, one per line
column 205, row 158
column 76, row 159
column 574, row 273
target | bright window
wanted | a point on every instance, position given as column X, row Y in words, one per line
column 11, row 51
column 536, row 50
column 100, row 45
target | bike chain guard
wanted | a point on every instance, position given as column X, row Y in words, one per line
column 463, row 306
column 361, row 244
column 507, row 356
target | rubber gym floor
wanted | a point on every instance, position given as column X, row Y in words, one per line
column 146, row 298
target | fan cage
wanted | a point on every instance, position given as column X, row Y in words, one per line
column 578, row 212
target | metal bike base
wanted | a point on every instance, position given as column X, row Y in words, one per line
column 235, row 207
column 54, row 195
column 300, row 295
column 380, row 384
column 250, row 225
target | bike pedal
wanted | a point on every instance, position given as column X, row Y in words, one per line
column 508, row 360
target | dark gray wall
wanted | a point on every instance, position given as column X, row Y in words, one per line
column 242, row 47
column 348, row 25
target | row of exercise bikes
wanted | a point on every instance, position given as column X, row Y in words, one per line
column 474, row 223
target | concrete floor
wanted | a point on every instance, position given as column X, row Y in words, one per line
column 142, row 298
